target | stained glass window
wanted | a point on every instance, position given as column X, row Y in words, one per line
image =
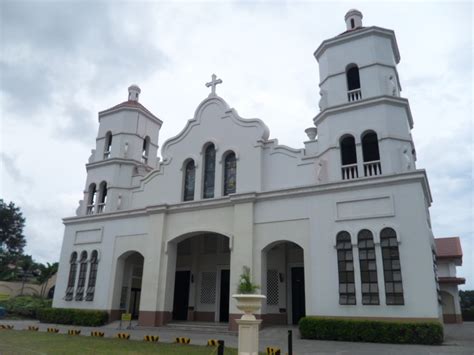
column 345, row 265
column 82, row 277
column 391, row 267
column 189, row 179
column 209, row 171
column 230, row 174
column 92, row 276
column 72, row 277
column 368, row 267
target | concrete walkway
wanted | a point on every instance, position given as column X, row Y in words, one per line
column 459, row 339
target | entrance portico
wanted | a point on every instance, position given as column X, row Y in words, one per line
column 201, row 272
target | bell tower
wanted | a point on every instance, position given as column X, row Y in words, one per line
column 126, row 147
column 363, row 125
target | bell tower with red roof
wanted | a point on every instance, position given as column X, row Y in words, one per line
column 126, row 148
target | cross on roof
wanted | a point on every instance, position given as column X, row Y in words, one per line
column 213, row 84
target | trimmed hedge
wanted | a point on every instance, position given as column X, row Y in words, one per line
column 371, row 331
column 73, row 316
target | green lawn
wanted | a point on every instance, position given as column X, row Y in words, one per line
column 27, row 342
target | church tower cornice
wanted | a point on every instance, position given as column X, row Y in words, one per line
column 356, row 34
column 390, row 100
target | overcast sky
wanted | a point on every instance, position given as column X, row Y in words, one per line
column 62, row 62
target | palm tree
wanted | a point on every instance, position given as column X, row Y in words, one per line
column 46, row 271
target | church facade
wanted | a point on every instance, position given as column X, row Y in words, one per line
column 339, row 227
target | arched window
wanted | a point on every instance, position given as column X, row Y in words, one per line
column 391, row 267
column 353, row 83
column 345, row 264
column 108, row 145
column 368, row 267
column 91, row 198
column 370, row 152
column 230, row 173
column 81, row 282
column 92, row 276
column 189, row 180
column 348, row 158
column 72, row 277
column 352, row 23
column 209, row 171
column 145, row 149
column 102, row 197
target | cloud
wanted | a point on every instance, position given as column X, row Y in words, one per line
column 55, row 53
column 10, row 167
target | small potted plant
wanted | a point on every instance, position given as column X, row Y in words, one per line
column 247, row 299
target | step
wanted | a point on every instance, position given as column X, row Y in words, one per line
column 204, row 327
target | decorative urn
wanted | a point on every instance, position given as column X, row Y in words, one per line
column 249, row 304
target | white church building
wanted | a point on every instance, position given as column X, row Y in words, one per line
column 339, row 227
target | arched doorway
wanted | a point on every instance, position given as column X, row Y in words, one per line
column 449, row 309
column 201, row 289
column 129, row 274
column 283, row 282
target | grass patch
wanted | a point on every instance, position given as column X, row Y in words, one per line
column 25, row 343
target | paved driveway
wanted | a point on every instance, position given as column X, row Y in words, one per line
column 459, row 339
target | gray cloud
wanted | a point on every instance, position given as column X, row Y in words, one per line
column 54, row 50
column 10, row 165
column 77, row 123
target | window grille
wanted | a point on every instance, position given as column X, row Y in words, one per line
column 346, row 269
column 82, row 277
column 92, row 276
column 208, row 287
column 435, row 269
column 368, row 268
column 391, row 267
column 272, row 287
column 72, row 277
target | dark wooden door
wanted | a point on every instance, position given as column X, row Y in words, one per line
column 181, row 295
column 224, row 298
column 135, row 302
column 297, row 293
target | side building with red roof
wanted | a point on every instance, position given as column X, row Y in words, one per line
column 449, row 255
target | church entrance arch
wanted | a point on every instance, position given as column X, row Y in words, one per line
column 201, row 289
column 283, row 283
column 129, row 272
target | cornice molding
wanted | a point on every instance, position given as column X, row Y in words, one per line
column 364, row 32
column 348, row 106
column 132, row 109
column 254, row 197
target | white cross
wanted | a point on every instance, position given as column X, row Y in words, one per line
column 213, row 84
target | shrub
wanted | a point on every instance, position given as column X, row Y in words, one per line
column 468, row 315
column 73, row 316
column 371, row 331
column 25, row 306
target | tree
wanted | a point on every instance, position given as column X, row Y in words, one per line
column 12, row 240
column 467, row 299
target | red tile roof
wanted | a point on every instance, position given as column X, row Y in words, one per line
column 448, row 247
column 452, row 280
column 129, row 104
